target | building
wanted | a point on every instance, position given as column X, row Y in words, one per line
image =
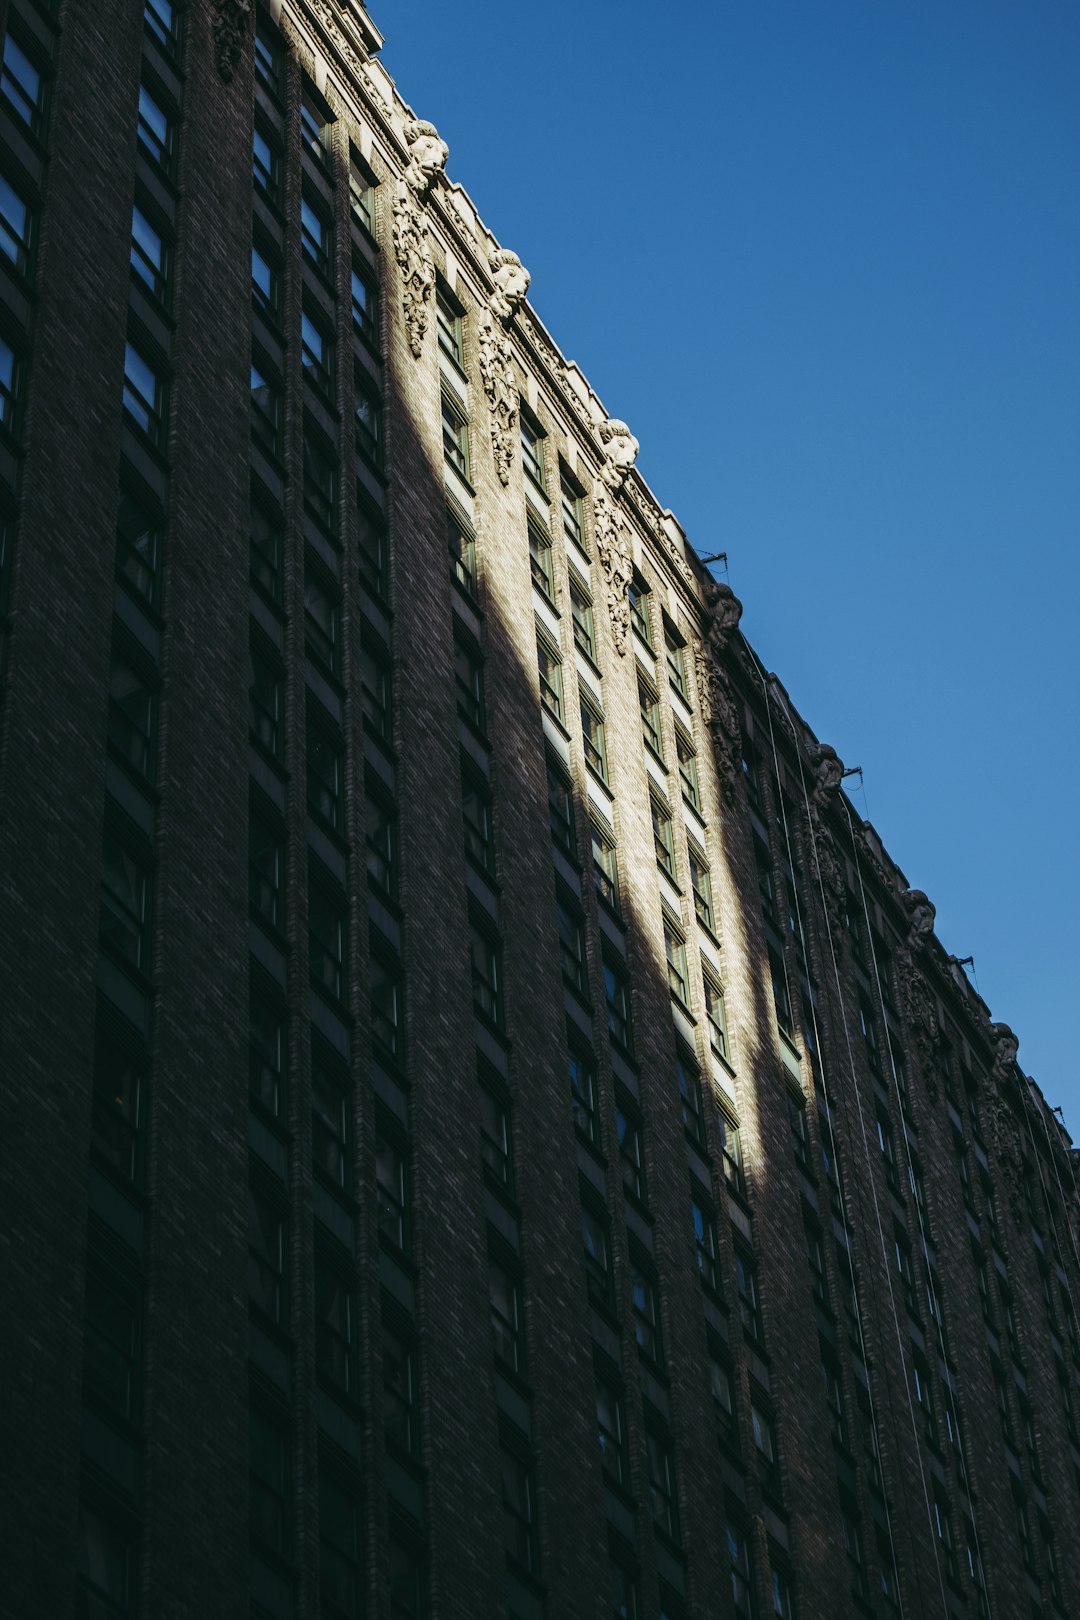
column 487, row 1130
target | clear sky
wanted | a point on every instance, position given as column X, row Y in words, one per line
column 823, row 256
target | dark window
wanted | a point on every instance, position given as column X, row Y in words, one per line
column 596, row 1241
column 316, row 126
column 581, row 610
column 361, row 194
column 462, row 547
column 675, row 952
column 269, row 1484
column 742, row 1579
column 138, row 547
column 145, row 395
column 495, row 1142
column 663, row 838
column 125, row 902
column 583, row 1098
column 540, row 561
column 368, row 420
column 320, row 481
column 455, row 437
column 387, row 1009
column 267, row 695
column 645, row 1304
column 374, row 555
column 105, row 1576
column 149, row 255
column 476, row 815
column 267, row 554
column 316, row 236
column 268, row 1052
column 722, row 1382
column 705, row 1239
column 335, row 1326
column 605, row 867
column 469, row 684
column 519, row 1525
column 617, row 996
column 110, row 1353
column 322, row 621
column 749, row 1301
column 392, row 1191
column 661, row 1469
column 382, row 844
column 317, row 354
column 376, row 691
column 763, row 1429
column 266, row 410
column 9, row 386
column 132, row 716
column 400, row 1392
column 330, row 1121
column 593, row 738
column 266, row 867
column 675, row 653
column 561, row 810
column 611, row 1430
column 506, row 1315
column 549, row 669
column 162, row 20
column 339, row 1550
column 328, row 933
column 688, row 769
column 268, row 56
column 637, row 593
column 117, row 1108
column 731, row 1148
column 266, row 1257
column 157, row 131
column 266, row 167
column 572, row 951
column 649, row 706
column 532, row 449
column 715, row 1013
column 573, row 527
column 365, row 305
column 690, row 1097
column 631, row 1151
column 325, row 773
column 449, row 319
column 486, row 965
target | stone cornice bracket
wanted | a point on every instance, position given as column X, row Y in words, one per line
column 230, row 23
column 427, row 160
column 511, row 281
column 828, row 769
column 921, row 913
column 621, row 450
column 614, row 553
column 500, row 387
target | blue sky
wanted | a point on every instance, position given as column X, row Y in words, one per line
column 824, row 257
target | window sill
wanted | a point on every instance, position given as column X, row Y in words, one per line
column 369, row 340
column 461, row 477
column 455, row 365
column 587, row 1142
column 337, row 1006
column 595, row 774
column 374, row 464
column 535, row 484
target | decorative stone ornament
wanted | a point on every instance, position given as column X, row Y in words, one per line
column 427, row 156
column 230, row 24
column 500, row 387
column 1003, row 1129
column 622, row 449
column 828, row 769
column 427, row 160
column 922, row 1021
column 921, row 913
column 723, row 610
column 511, row 283
column 615, row 564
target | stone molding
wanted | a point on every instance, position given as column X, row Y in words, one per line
column 500, row 387
column 231, row 21
column 411, row 232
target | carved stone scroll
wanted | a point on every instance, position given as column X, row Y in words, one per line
column 231, row 21
column 500, row 387
column 614, row 554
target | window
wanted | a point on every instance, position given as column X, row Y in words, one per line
column 469, row 682
column 145, row 395
column 663, row 838
column 675, row 652
column 455, row 437
column 267, row 554
column 519, row 1530
column 943, row 1526
column 593, row 738
column 9, row 385
column 138, row 547
column 722, row 1383
column 661, row 1469
column 387, row 1009
column 731, row 1148
column 320, row 480
column 690, row 1098
column 267, row 694
column 110, row 1354
column 688, row 769
column 749, row 1300
column 583, row 1099
column 374, row 554
column 597, row 1245
column 581, row 610
column 149, row 258
column 316, row 126
column 869, row 1035
column 368, row 420
column 705, row 1239
column 649, row 705
column 380, row 822
column 317, row 354
column 266, row 411
column 392, row 1192
column 495, row 1141
column 376, row 690
column 611, row 1431
column 361, row 194
column 15, row 226
column 400, row 1393
column 572, row 953
column 785, row 1018
column 266, row 1256
column 322, row 621
column 462, row 547
column 156, row 131
column 549, row 668
column 325, row 777
column 506, row 1315
column 268, row 56
column 335, row 1326
column 266, row 167
column 906, row 1274
column 117, row 1107
column 715, row 1011
column 486, row 968
column 853, row 1546
column 815, row 1256
column 645, row 1306
column 125, row 902
column 924, row 1398
column 339, row 1550
column 617, row 996
column 477, row 821
column 675, row 951
column 540, row 561
column 266, row 867
column 637, row 593
column 834, row 1400
column 605, row 867
column 132, row 716
column 561, row 810
column 330, row 1121
column 742, row 1583
column 766, row 887
column 267, row 1052
column 162, row 21
column 365, row 306
column 448, row 316
column 406, row 1576
column 764, row 1431
column 888, row 1152
column 328, row 935
column 105, row 1576
column 532, row 448
column 631, row 1151
column 573, row 527
column 268, row 1452
column 316, row 236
